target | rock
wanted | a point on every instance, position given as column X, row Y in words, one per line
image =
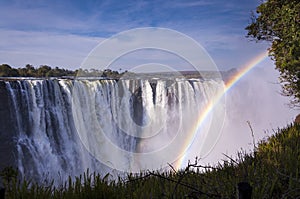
column 7, row 133
column 297, row 120
column 244, row 190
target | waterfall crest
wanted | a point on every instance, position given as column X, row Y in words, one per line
column 62, row 127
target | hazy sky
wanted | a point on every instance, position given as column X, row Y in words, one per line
column 62, row 33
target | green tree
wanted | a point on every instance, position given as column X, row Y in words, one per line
column 29, row 71
column 278, row 21
column 43, row 71
column 8, row 71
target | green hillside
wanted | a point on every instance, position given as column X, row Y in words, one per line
column 272, row 170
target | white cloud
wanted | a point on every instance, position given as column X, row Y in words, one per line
column 223, row 41
column 64, row 50
column 176, row 50
column 191, row 3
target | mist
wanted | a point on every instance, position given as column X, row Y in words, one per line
column 255, row 98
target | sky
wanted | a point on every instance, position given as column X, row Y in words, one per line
column 63, row 32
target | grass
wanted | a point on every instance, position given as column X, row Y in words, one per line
column 272, row 170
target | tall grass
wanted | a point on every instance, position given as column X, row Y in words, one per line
column 272, row 170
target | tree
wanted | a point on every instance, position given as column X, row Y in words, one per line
column 43, row 70
column 278, row 21
column 8, row 71
column 28, row 71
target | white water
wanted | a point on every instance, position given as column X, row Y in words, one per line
column 64, row 127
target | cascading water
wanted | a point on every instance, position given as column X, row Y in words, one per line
column 43, row 130
column 61, row 127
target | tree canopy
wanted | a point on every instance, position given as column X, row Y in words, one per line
column 30, row 71
column 8, row 71
column 278, row 21
column 47, row 71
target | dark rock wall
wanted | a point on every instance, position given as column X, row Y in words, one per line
column 7, row 129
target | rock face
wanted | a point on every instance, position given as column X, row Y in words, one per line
column 297, row 119
column 7, row 131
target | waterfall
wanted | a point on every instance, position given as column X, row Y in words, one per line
column 60, row 127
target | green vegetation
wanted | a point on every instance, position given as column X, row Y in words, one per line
column 30, row 71
column 278, row 21
column 272, row 170
column 47, row 71
column 107, row 73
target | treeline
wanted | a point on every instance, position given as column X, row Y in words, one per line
column 46, row 71
column 107, row 73
column 30, row 71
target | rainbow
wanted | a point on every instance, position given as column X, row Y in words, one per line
column 229, row 84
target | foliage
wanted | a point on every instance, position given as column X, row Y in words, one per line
column 47, row 71
column 278, row 21
column 107, row 73
column 30, row 71
column 8, row 71
column 272, row 170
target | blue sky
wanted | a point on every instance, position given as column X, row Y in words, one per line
column 62, row 33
